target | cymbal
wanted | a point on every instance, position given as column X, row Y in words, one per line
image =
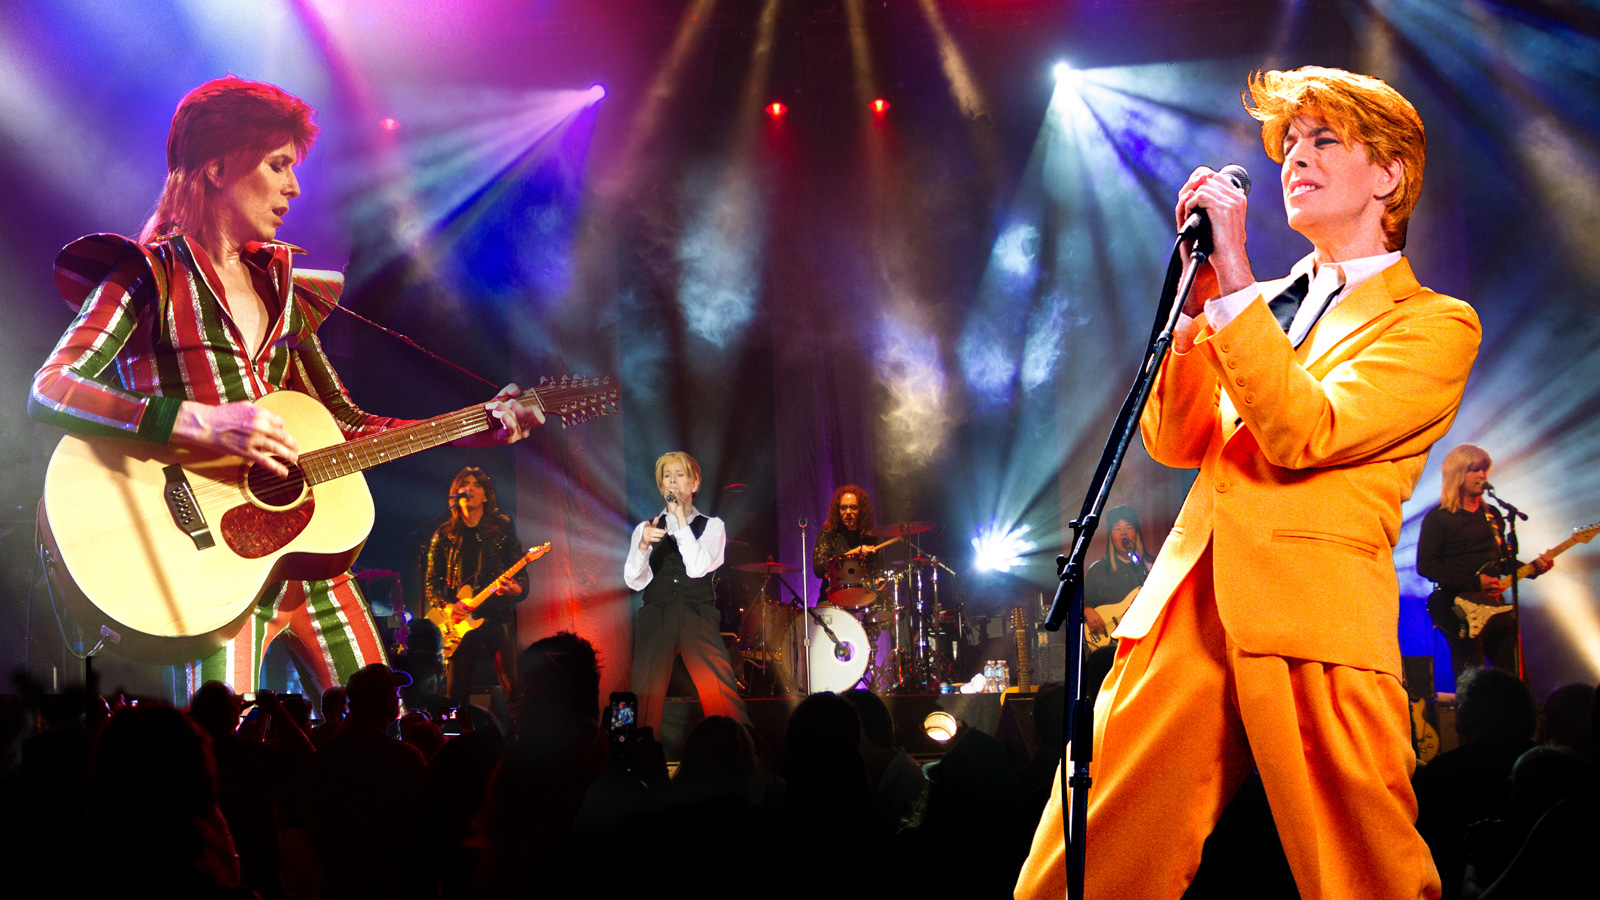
column 901, row 529
column 766, row 568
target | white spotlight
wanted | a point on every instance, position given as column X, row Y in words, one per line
column 999, row 550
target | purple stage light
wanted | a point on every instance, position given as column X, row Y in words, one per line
column 597, row 93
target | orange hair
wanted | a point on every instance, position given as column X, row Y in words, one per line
column 1359, row 109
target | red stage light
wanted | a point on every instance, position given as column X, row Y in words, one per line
column 776, row 109
column 880, row 105
column 389, row 124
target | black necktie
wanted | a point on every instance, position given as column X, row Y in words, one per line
column 1286, row 304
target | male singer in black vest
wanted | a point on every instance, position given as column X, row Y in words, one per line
column 671, row 560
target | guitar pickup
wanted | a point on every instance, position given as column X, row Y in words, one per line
column 183, row 508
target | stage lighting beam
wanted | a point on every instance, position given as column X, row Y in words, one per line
column 999, row 549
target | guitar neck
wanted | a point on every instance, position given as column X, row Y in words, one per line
column 1553, row 552
column 361, row 454
column 570, row 399
column 532, row 554
column 1021, row 624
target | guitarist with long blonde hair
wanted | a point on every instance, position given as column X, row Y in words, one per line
column 1460, row 537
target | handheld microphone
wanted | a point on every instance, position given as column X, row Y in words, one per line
column 1198, row 222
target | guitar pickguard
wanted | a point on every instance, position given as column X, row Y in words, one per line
column 253, row 532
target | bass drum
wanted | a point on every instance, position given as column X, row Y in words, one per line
column 838, row 660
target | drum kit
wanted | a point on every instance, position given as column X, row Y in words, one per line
column 888, row 630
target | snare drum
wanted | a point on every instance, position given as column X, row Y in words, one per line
column 849, row 583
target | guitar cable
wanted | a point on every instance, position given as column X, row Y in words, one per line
column 42, row 567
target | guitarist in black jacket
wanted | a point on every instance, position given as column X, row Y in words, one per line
column 467, row 554
column 1459, row 550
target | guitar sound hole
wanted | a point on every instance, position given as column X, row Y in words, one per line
column 272, row 490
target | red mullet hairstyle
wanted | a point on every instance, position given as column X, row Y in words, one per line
column 234, row 124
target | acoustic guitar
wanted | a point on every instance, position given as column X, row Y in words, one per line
column 171, row 548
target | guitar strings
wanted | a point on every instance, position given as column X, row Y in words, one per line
column 579, row 397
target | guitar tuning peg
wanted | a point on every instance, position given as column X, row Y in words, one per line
column 544, row 380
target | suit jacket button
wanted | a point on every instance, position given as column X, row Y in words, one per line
column 1249, row 398
column 1233, row 363
column 1239, row 381
column 1222, row 487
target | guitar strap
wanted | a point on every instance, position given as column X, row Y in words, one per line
column 1499, row 539
column 316, row 297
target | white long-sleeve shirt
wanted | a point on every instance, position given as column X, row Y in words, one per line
column 701, row 555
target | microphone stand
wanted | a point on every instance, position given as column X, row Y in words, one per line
column 1067, row 607
column 805, row 606
column 1512, row 514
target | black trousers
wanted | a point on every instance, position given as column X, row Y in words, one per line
column 491, row 639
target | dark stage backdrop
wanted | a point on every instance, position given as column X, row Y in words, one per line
column 942, row 302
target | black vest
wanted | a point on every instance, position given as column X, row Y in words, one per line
column 669, row 580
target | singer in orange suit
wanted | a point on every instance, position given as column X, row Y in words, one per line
column 1265, row 634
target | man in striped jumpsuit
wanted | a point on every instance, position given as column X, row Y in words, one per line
column 177, row 333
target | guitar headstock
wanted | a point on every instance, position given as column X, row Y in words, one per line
column 1586, row 534
column 539, row 551
column 574, row 399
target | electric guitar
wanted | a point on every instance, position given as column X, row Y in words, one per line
column 1476, row 608
column 1112, row 613
column 171, row 548
column 457, row 619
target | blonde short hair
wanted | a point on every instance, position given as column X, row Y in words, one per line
column 682, row 459
column 1358, row 108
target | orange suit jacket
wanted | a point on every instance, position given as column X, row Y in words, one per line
column 1305, row 457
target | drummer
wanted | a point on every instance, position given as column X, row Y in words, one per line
column 847, row 534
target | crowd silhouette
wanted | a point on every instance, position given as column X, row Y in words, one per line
column 380, row 799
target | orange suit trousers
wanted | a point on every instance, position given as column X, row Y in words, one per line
column 1184, row 714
